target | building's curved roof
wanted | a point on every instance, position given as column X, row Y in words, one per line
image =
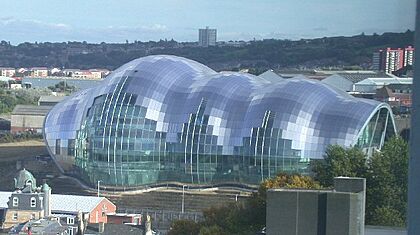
column 23, row 178
column 311, row 114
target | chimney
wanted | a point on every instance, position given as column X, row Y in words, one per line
column 101, row 227
column 81, row 224
column 47, row 199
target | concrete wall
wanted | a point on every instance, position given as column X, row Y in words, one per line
column 26, row 122
column 318, row 212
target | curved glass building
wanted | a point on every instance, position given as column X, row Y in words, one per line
column 166, row 118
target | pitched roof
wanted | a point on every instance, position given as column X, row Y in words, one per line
column 51, row 98
column 31, row 110
column 63, row 203
column 114, row 229
column 357, row 77
column 72, row 203
column 271, row 76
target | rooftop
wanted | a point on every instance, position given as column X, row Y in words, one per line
column 114, row 229
column 51, row 98
column 31, row 110
column 63, row 203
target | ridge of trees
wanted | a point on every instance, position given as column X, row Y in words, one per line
column 255, row 55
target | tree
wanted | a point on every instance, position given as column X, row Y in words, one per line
column 387, row 183
column 339, row 161
column 211, row 230
column 386, row 174
column 387, row 216
column 184, row 227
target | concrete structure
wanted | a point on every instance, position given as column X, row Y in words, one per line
column 318, row 212
column 28, row 118
column 414, row 160
column 207, row 37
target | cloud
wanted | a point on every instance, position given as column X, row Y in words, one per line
column 320, row 29
column 21, row 30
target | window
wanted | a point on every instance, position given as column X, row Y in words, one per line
column 15, row 216
column 70, row 231
column 15, row 201
column 33, row 202
column 58, row 146
column 33, row 216
column 70, row 220
column 71, row 147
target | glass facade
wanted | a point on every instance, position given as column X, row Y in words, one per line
column 165, row 118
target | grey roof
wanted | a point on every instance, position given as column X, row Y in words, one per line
column 51, row 98
column 74, row 203
column 271, row 76
column 41, row 226
column 31, row 110
column 63, row 203
column 114, row 229
column 357, row 77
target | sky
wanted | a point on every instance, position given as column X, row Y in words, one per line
column 144, row 20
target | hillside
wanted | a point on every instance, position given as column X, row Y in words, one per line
column 257, row 55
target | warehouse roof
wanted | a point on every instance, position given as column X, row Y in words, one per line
column 31, row 110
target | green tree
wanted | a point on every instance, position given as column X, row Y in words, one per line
column 339, row 161
column 184, row 227
column 387, row 216
column 211, row 230
column 386, row 174
column 387, row 183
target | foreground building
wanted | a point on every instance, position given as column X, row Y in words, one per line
column 318, row 212
column 165, row 118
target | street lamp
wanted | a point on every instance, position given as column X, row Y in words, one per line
column 98, row 187
column 183, row 198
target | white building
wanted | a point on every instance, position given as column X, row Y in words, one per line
column 7, row 72
column 346, row 80
column 39, row 72
column 207, row 37
column 370, row 85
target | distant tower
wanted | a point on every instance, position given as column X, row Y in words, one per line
column 394, row 59
column 391, row 60
column 47, row 198
column 207, row 37
column 408, row 56
column 377, row 60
